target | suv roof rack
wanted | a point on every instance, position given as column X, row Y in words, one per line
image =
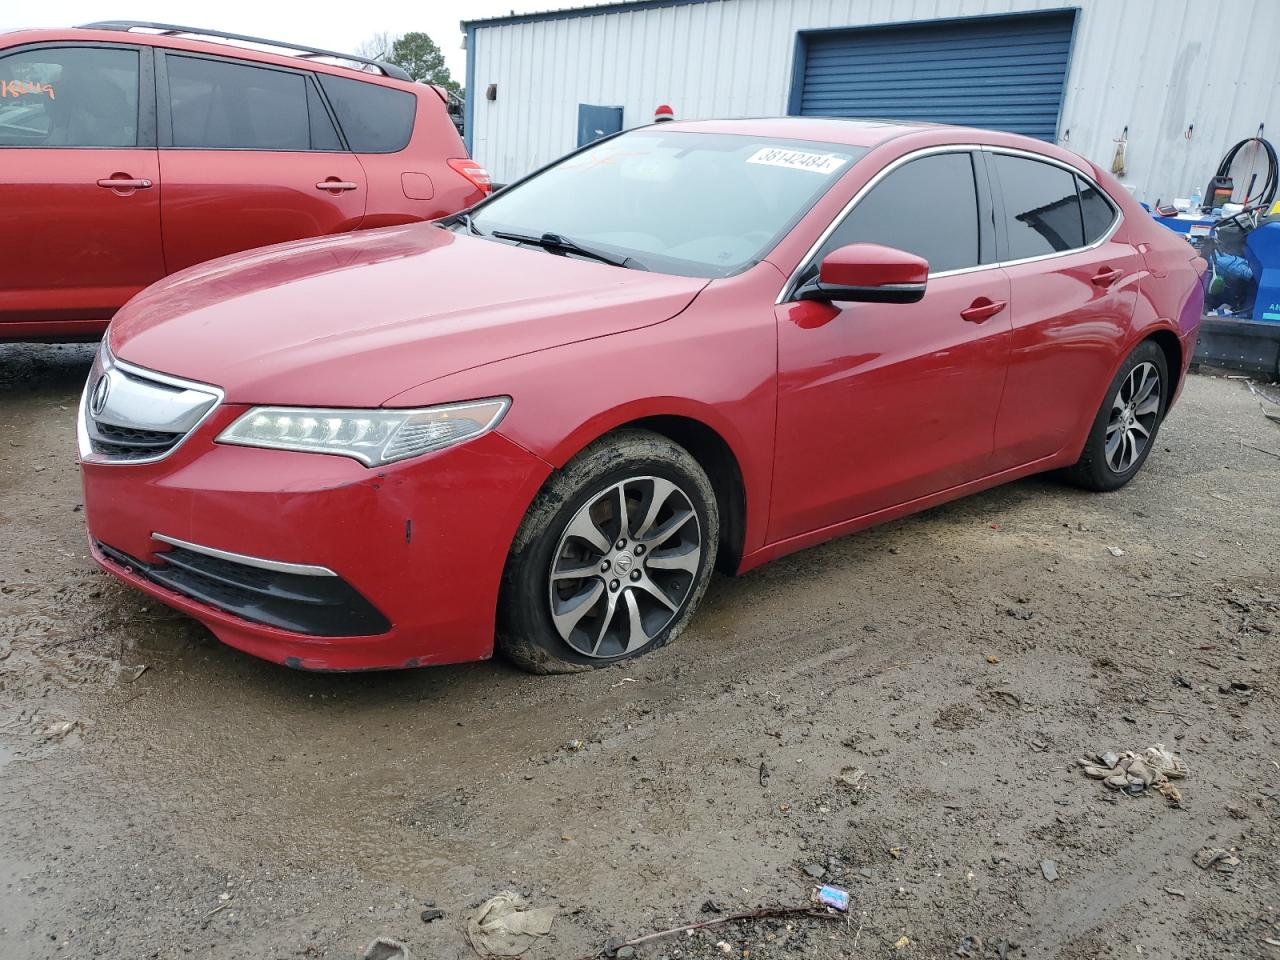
column 300, row 50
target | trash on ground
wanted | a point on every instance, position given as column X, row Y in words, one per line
column 1115, row 551
column 1235, row 686
column 616, row 948
column 384, row 948
column 833, row 897
column 902, row 943
column 59, row 730
column 506, row 926
column 1216, row 858
column 1135, row 772
column 430, row 916
column 1050, row 870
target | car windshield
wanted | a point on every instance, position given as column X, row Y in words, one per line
column 692, row 204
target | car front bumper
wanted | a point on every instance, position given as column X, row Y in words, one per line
column 315, row 561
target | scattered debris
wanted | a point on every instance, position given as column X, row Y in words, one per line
column 902, row 943
column 432, row 915
column 384, row 948
column 1216, row 858
column 1135, row 772
column 710, row 906
column 852, row 777
column 131, row 675
column 1175, row 892
column 1235, row 686
column 764, row 774
column 833, row 897
column 1171, row 794
column 970, row 946
column 573, row 746
column 615, row 686
column 59, row 730
column 1050, row 870
column 814, row 870
column 992, row 659
column 615, row 948
column 505, row 925
column 1180, row 681
column 1115, row 551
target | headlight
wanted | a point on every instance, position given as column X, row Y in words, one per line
column 373, row 437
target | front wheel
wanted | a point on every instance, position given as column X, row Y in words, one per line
column 1125, row 428
column 612, row 557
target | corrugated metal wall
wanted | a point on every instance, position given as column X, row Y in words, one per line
column 1154, row 66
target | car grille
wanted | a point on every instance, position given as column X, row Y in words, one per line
column 320, row 606
column 132, row 415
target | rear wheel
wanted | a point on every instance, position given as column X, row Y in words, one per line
column 612, row 557
column 1125, row 428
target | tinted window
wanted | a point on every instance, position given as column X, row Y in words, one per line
column 1098, row 212
column 216, row 104
column 928, row 207
column 375, row 119
column 1041, row 207
column 69, row 97
column 693, row 204
column 323, row 134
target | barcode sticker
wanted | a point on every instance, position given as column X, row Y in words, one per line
column 824, row 163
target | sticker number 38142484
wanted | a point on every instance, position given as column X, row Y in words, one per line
column 824, row 163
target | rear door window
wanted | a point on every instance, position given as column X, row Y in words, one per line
column 69, row 97
column 221, row 105
column 927, row 206
column 1097, row 211
column 1041, row 207
column 375, row 119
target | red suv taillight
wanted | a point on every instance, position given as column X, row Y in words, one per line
column 473, row 172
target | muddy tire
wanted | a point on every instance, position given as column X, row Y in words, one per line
column 612, row 557
column 1125, row 429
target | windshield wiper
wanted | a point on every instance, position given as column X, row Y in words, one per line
column 553, row 241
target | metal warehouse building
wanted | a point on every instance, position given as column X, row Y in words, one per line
column 1178, row 81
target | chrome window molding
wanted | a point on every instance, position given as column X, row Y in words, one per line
column 275, row 566
column 788, row 290
column 106, row 360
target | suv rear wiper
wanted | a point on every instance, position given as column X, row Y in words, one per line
column 553, row 241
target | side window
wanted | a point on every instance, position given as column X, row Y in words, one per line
column 928, row 207
column 375, row 119
column 1097, row 211
column 69, row 97
column 1041, row 207
column 216, row 104
column 323, row 134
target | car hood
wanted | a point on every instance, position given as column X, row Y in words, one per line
column 356, row 319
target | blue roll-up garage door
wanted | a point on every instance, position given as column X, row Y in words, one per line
column 1003, row 73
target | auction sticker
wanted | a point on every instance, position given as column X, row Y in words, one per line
column 824, row 163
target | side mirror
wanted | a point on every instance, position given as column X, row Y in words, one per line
column 869, row 273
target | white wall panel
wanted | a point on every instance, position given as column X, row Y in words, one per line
column 1155, row 66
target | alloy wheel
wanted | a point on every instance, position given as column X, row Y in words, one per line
column 1134, row 411
column 624, row 566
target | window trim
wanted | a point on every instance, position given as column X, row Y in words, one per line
column 164, row 102
column 995, row 204
column 146, row 127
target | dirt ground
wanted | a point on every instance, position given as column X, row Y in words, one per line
column 949, row 667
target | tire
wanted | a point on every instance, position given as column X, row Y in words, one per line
column 609, row 601
column 1116, row 448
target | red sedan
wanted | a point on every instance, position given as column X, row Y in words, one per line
column 539, row 425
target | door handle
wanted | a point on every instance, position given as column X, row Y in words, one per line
column 983, row 309
column 1107, row 276
column 337, row 185
column 124, row 183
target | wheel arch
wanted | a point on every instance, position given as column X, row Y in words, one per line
column 1171, row 347
column 711, row 445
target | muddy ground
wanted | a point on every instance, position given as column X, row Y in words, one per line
column 951, row 666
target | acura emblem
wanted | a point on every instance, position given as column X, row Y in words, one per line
column 98, row 399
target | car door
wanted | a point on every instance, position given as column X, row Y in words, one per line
column 250, row 156
column 79, row 185
column 881, row 404
column 1073, row 285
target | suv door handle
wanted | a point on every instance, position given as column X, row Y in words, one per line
column 1107, row 276
column 983, row 309
column 337, row 185
column 123, row 183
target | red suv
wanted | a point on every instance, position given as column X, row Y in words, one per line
column 547, row 418
column 109, row 131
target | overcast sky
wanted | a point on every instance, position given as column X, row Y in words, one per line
column 331, row 26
